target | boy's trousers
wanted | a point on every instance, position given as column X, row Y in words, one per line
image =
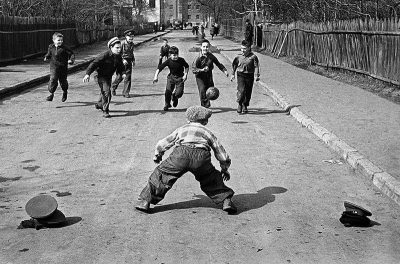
column 173, row 82
column 58, row 74
column 204, row 81
column 186, row 159
column 245, row 83
column 105, row 92
column 127, row 80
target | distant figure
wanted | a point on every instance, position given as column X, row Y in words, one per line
column 59, row 56
column 202, row 34
column 164, row 51
column 216, row 26
column 248, row 33
column 212, row 31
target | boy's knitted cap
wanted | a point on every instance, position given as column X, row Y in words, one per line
column 198, row 113
column 112, row 41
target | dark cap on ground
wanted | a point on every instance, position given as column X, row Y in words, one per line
column 41, row 206
column 55, row 218
column 355, row 209
column 112, row 41
column 198, row 113
column 129, row 32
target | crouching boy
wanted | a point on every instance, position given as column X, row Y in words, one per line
column 192, row 153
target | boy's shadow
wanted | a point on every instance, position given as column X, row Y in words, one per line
column 254, row 111
column 244, row 202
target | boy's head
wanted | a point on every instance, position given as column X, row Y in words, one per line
column 245, row 47
column 198, row 114
column 114, row 45
column 205, row 46
column 165, row 42
column 173, row 53
column 58, row 39
column 129, row 35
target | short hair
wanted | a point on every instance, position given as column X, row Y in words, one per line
column 246, row 43
column 205, row 41
column 164, row 39
column 57, row 35
column 173, row 50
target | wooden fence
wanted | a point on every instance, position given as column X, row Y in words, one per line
column 370, row 47
column 27, row 37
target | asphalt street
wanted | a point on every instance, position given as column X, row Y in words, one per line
column 290, row 187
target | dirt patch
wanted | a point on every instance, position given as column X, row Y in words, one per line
column 385, row 90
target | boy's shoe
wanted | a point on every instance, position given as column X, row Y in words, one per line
column 229, row 207
column 106, row 114
column 50, row 97
column 142, row 205
column 174, row 101
column 127, row 96
column 167, row 107
column 239, row 108
column 113, row 92
column 98, row 107
column 208, row 104
column 64, row 97
column 245, row 110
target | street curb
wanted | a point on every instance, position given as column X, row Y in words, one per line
column 17, row 88
column 385, row 182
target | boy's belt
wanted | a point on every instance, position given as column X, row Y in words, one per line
column 196, row 146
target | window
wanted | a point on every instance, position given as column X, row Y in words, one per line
column 152, row 3
column 189, row 16
column 189, row 6
column 171, row 6
column 198, row 7
column 197, row 16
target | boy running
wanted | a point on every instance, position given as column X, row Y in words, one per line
column 178, row 70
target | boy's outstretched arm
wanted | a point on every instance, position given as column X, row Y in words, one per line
column 164, row 144
column 155, row 79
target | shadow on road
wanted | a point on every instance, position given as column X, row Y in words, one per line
column 244, row 202
column 252, row 111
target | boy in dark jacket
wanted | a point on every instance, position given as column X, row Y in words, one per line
column 128, row 58
column 192, row 153
column 59, row 56
column 202, row 68
column 178, row 70
column 247, row 68
column 106, row 64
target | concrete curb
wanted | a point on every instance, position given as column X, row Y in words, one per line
column 385, row 182
column 19, row 87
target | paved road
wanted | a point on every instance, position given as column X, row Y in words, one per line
column 289, row 197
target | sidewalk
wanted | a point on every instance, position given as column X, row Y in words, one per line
column 362, row 127
column 18, row 77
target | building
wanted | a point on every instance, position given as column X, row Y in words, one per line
column 189, row 11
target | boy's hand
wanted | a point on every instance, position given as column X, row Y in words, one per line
column 45, row 59
column 70, row 62
column 125, row 62
column 232, row 77
column 205, row 69
column 184, row 78
column 157, row 159
column 86, row 78
column 123, row 76
column 226, row 176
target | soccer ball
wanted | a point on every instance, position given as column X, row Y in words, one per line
column 212, row 93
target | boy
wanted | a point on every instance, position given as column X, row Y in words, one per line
column 59, row 56
column 246, row 65
column 128, row 58
column 164, row 51
column 193, row 143
column 178, row 70
column 202, row 68
column 106, row 64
